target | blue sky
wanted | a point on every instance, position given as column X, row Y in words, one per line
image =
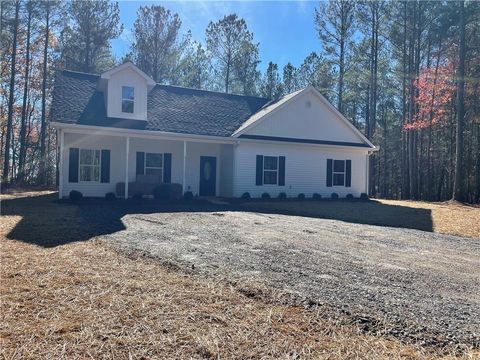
column 284, row 29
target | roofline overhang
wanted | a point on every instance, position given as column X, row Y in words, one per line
column 113, row 131
column 154, row 134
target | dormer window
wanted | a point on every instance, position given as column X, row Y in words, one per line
column 127, row 99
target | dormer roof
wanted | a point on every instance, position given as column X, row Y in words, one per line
column 128, row 65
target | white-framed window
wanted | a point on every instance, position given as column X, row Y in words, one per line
column 154, row 165
column 128, row 97
column 270, row 170
column 89, row 165
column 338, row 173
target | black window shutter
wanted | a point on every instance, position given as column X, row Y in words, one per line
column 73, row 165
column 259, row 177
column 329, row 172
column 281, row 170
column 105, row 171
column 167, row 168
column 140, row 163
column 348, row 173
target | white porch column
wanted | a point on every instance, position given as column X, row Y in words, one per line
column 184, row 166
column 60, row 164
column 127, row 152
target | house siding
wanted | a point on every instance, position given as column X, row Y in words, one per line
column 305, row 117
column 126, row 77
column 117, row 147
column 226, row 164
column 305, row 170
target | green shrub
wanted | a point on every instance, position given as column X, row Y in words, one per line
column 246, row 196
column 265, row 196
column 75, row 196
column 188, row 196
column 282, row 195
column 363, row 196
column 316, row 196
column 349, row 197
column 334, row 196
column 110, row 197
column 137, row 197
column 301, row 196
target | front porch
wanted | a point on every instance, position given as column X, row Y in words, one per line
column 201, row 166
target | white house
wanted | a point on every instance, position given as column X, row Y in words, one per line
column 120, row 127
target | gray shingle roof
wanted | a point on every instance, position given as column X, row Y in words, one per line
column 76, row 100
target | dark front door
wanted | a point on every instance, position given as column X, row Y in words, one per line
column 208, row 175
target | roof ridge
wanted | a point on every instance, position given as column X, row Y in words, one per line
column 179, row 87
column 79, row 72
column 213, row 91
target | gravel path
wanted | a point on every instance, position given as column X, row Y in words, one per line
column 407, row 283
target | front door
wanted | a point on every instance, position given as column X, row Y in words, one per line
column 208, row 175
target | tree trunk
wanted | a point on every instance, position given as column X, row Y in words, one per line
column 404, row 171
column 458, row 185
column 43, row 128
column 23, row 129
column 8, row 137
column 341, row 73
column 227, row 75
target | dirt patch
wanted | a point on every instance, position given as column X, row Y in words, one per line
column 418, row 286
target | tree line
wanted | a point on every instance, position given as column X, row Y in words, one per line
column 405, row 73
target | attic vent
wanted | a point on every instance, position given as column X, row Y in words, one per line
column 308, row 104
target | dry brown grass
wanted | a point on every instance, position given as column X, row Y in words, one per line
column 83, row 300
column 446, row 217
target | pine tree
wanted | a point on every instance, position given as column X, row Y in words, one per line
column 227, row 40
column 85, row 41
column 157, row 48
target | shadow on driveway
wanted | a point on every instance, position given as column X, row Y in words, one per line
column 48, row 222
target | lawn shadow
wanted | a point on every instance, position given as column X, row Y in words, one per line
column 369, row 212
column 48, row 222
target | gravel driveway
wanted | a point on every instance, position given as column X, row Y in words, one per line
column 407, row 283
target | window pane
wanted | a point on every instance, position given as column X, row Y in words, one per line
column 95, row 173
column 85, row 173
column 127, row 106
column 270, row 177
column 339, row 165
column 157, row 173
column 127, row 93
column 153, row 160
column 86, row 157
column 338, row 179
column 270, row 163
column 96, row 159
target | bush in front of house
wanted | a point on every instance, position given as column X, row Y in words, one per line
column 301, row 196
column 110, row 197
column 316, row 196
column 282, row 195
column 167, row 191
column 75, row 196
column 363, row 196
column 349, row 197
column 334, row 196
column 137, row 197
column 265, row 196
column 245, row 196
column 188, row 196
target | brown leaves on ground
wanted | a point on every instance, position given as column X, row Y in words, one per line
column 84, row 300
